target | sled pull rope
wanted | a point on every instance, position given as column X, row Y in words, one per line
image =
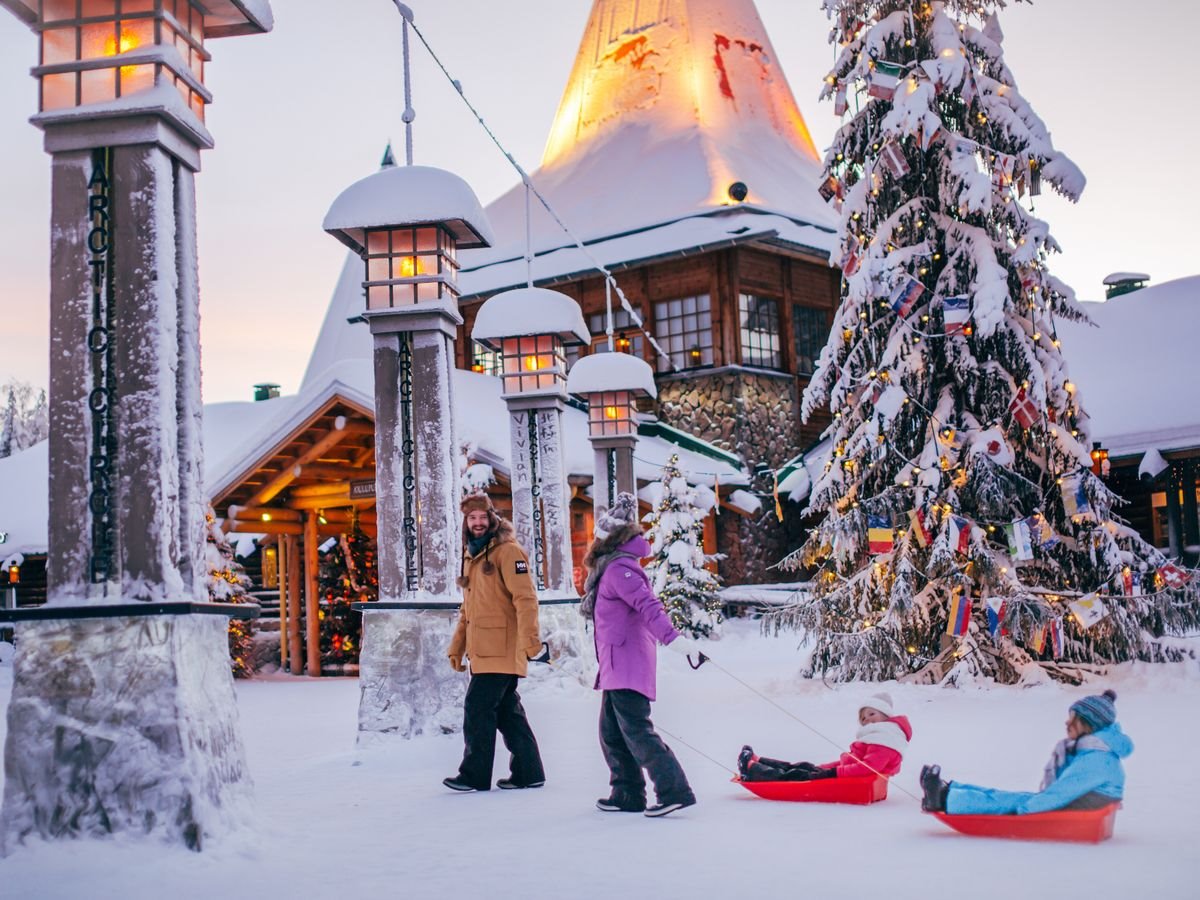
column 697, row 751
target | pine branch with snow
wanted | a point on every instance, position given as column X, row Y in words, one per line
column 687, row 590
column 960, row 480
column 227, row 583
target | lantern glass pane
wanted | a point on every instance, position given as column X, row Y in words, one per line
column 184, row 91
column 197, row 24
column 427, row 290
column 58, row 91
column 98, row 40
column 90, row 8
column 402, row 240
column 377, row 269
column 378, row 297
column 128, row 6
column 58, row 46
column 53, row 10
column 427, row 239
column 198, row 106
column 137, row 33
column 97, row 85
column 136, row 78
column 377, row 242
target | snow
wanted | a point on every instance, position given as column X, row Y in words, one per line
column 1136, row 369
column 408, row 195
column 745, row 501
column 158, row 97
column 530, row 310
column 1119, row 277
column 611, row 372
column 384, row 809
column 26, row 507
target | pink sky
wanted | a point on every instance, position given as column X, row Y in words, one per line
column 302, row 112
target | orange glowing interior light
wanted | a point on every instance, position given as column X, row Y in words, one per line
column 611, row 412
column 411, row 266
column 533, row 363
column 127, row 42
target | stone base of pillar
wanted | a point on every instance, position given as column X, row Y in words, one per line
column 124, row 726
column 570, row 639
column 407, row 687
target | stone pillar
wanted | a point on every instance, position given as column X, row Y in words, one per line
column 407, row 688
column 613, row 470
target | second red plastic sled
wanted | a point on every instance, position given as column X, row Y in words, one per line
column 862, row 789
column 1088, row 826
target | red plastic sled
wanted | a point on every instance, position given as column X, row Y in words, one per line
column 1088, row 826
column 860, row 789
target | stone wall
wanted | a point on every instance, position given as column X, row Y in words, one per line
column 755, row 415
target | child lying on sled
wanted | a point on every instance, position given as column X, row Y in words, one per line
column 878, row 748
column 1084, row 771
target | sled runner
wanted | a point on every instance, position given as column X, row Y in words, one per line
column 1089, row 826
column 862, row 789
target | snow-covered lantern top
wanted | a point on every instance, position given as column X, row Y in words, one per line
column 530, row 327
column 408, row 224
column 97, row 51
column 612, row 384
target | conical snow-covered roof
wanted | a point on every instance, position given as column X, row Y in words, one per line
column 669, row 103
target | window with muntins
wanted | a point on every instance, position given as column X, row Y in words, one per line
column 811, row 328
column 759, row 317
column 627, row 336
column 683, row 328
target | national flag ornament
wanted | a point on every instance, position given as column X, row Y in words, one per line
column 906, row 294
column 1040, row 531
column 1002, row 171
column 929, row 135
column 956, row 313
column 995, row 608
column 960, row 534
column 840, row 104
column 1023, row 409
column 775, row 493
column 1020, row 544
column 883, row 80
column 920, row 529
column 879, row 534
column 1088, row 610
column 1173, row 576
column 960, row 614
column 1038, row 643
column 1055, row 637
column 893, row 159
column 830, row 188
column 852, row 258
column 1075, row 500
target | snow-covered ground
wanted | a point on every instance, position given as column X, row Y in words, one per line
column 337, row 822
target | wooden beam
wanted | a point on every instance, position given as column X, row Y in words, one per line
column 342, row 516
column 336, row 472
column 313, row 453
column 311, row 603
column 330, row 502
column 265, row 527
column 282, row 555
column 295, row 570
column 320, row 490
column 256, row 513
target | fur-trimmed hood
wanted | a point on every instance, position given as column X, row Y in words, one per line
column 607, row 545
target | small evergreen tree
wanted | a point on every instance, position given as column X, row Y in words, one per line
column 348, row 574
column 227, row 583
column 686, row 588
column 961, row 521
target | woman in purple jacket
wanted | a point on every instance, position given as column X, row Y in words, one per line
column 629, row 619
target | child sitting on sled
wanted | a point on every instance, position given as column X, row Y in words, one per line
column 1084, row 771
column 878, row 749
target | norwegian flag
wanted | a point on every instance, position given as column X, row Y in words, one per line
column 1173, row 576
column 920, row 529
column 840, row 104
column 960, row 534
column 893, row 159
column 1023, row 409
column 906, row 294
column 995, row 608
column 956, row 313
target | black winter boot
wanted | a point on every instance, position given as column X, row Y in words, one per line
column 934, row 789
column 743, row 762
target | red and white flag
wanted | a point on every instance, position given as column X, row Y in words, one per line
column 1023, row 409
column 840, row 104
column 892, row 157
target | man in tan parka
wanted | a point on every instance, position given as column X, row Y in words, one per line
column 498, row 632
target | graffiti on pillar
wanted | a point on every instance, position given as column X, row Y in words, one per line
column 555, row 499
column 408, row 450
column 535, row 492
column 99, row 344
column 610, row 462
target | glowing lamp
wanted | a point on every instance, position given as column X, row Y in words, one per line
column 530, row 328
column 98, row 51
column 697, row 357
column 407, row 224
column 477, row 365
column 14, row 574
column 612, row 384
column 1100, row 464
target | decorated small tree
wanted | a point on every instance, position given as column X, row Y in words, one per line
column 686, row 588
column 227, row 583
column 962, row 528
column 348, row 574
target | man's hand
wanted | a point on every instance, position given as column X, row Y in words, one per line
column 539, row 652
column 456, row 664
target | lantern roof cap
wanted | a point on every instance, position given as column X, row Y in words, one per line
column 402, row 196
column 529, row 311
column 611, row 372
column 223, row 18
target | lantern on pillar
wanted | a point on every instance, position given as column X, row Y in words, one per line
column 1100, row 464
column 14, row 573
column 530, row 328
column 612, row 383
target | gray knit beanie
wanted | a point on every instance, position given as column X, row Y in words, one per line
column 624, row 512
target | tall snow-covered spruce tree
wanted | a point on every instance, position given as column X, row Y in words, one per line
column 962, row 524
column 687, row 590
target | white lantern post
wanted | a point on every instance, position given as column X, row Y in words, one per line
column 125, row 667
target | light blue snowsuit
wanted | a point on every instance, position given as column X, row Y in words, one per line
column 1084, row 771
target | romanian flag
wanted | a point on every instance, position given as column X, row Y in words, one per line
column 906, row 294
column 919, row 529
column 879, row 534
column 960, row 614
column 960, row 534
column 956, row 312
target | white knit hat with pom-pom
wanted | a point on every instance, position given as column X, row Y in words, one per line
column 624, row 512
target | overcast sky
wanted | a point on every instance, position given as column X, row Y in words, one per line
column 304, row 111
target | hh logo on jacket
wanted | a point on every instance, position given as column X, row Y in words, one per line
column 522, row 567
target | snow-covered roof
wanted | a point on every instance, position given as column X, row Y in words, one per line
column 1122, row 277
column 611, row 372
column 1137, row 372
column 530, row 310
column 668, row 104
column 222, row 18
column 798, row 475
column 408, row 195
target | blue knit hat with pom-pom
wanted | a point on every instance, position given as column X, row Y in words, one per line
column 1098, row 710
